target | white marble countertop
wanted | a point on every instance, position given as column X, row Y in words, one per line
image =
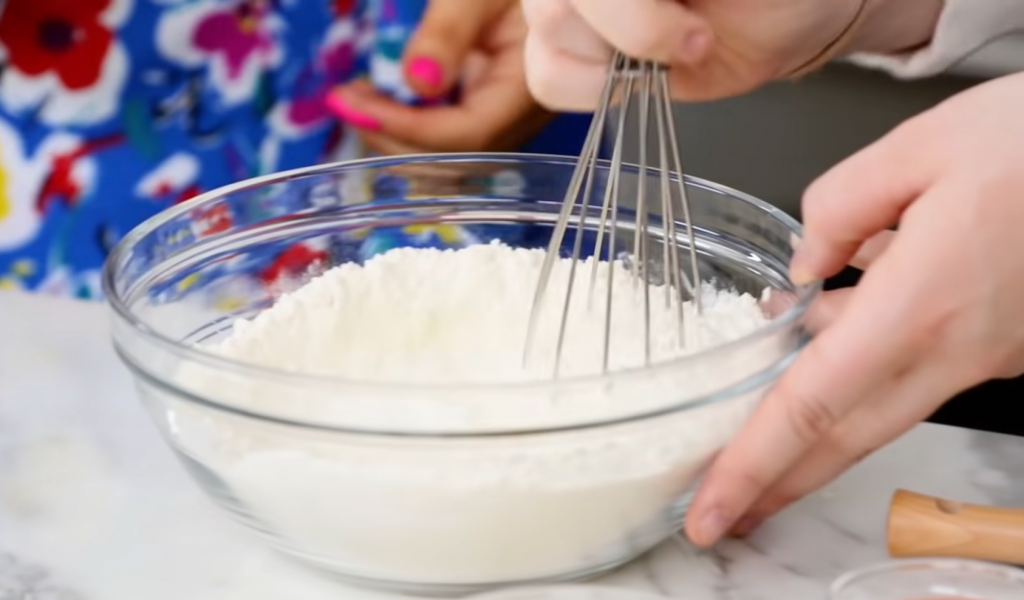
column 94, row 504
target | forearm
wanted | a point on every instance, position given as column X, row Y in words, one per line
column 895, row 26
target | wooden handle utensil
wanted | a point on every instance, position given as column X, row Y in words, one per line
column 921, row 525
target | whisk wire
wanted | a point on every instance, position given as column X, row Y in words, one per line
column 589, row 152
column 611, row 201
column 640, row 258
column 649, row 82
column 670, row 247
column 693, row 284
column 611, row 188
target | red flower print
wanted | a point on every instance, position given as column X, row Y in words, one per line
column 343, row 8
column 61, row 36
column 293, row 261
column 61, row 183
column 209, row 221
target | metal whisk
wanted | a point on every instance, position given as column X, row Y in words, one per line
column 647, row 84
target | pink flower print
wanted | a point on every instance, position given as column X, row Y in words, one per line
column 307, row 106
column 305, row 109
column 236, row 42
column 236, row 34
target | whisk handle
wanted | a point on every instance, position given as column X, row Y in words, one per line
column 921, row 525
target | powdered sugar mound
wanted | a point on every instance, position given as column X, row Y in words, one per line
column 461, row 316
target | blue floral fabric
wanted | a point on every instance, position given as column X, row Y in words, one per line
column 113, row 110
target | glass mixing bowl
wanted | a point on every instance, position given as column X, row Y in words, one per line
column 348, row 475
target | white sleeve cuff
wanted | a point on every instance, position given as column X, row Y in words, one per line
column 964, row 27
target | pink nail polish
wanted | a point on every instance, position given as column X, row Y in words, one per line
column 427, row 70
column 336, row 104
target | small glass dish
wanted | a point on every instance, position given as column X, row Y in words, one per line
column 931, row 579
column 569, row 592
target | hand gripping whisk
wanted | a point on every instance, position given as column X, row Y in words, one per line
column 646, row 84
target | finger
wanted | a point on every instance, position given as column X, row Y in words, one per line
column 826, row 309
column 899, row 407
column 870, row 250
column 385, row 145
column 560, row 26
column 446, row 35
column 830, row 305
column 711, row 80
column 859, row 198
column 661, row 30
column 494, row 116
column 560, row 81
column 841, row 367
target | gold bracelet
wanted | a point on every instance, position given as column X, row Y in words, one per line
column 836, row 47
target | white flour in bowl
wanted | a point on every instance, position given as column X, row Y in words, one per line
column 433, row 316
column 471, row 510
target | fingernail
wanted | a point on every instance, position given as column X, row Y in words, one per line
column 427, row 70
column 745, row 526
column 794, row 241
column 712, row 527
column 800, row 272
column 695, row 45
column 800, row 276
column 337, row 104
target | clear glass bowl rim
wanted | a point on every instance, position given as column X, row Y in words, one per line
column 1010, row 574
column 805, row 293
